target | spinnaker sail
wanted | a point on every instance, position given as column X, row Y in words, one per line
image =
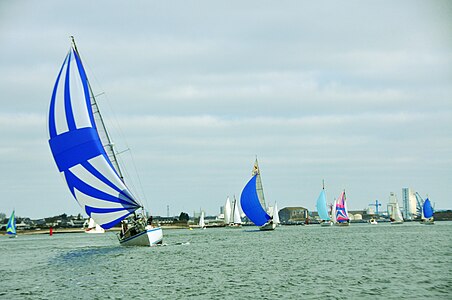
column 92, row 176
column 11, row 226
column 251, row 205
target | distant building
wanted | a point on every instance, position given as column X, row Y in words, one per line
column 293, row 214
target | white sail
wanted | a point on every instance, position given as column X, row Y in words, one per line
column 333, row 212
column 237, row 218
column 93, row 227
column 394, row 210
column 202, row 223
column 276, row 214
column 259, row 188
column 227, row 211
column 91, row 223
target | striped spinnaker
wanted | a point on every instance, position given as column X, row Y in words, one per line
column 78, row 150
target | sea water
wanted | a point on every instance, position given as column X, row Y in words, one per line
column 408, row 261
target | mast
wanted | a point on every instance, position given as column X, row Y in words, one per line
column 104, row 136
column 101, row 128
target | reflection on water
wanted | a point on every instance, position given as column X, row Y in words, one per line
column 309, row 262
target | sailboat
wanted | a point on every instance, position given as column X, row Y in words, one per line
column 322, row 209
column 236, row 219
column 427, row 213
column 93, row 227
column 253, row 202
column 276, row 215
column 227, row 212
column 202, row 223
column 11, row 226
column 395, row 215
column 342, row 218
column 85, row 156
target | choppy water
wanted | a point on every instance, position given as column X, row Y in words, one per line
column 409, row 261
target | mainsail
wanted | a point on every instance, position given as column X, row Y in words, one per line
column 259, row 188
column 11, row 226
column 341, row 210
column 90, row 169
column 394, row 210
column 251, row 205
column 276, row 214
column 202, row 223
column 322, row 209
column 237, row 219
column 227, row 212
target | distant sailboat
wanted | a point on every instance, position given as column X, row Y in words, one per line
column 11, row 226
column 253, row 203
column 93, row 227
column 427, row 213
column 202, row 223
column 322, row 209
column 85, row 156
column 236, row 218
column 395, row 215
column 227, row 212
column 342, row 218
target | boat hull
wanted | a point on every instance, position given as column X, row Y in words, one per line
column 149, row 237
column 326, row 224
column 342, row 224
column 428, row 222
column 269, row 226
column 396, row 222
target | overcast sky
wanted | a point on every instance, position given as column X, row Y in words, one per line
column 358, row 93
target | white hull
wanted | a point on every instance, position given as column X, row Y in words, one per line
column 149, row 237
column 373, row 222
column 326, row 224
column 269, row 226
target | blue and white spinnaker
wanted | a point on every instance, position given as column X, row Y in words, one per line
column 79, row 152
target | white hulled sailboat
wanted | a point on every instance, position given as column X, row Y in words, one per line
column 85, row 156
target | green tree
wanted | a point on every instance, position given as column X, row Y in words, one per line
column 183, row 216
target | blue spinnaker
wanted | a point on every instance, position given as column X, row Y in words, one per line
column 78, row 151
column 428, row 210
column 321, row 207
column 251, row 205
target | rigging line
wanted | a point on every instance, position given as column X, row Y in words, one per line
column 118, row 129
column 139, row 179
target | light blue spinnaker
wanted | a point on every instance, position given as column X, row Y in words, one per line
column 251, row 205
column 322, row 208
column 11, row 226
column 75, row 130
column 428, row 210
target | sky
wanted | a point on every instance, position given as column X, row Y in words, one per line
column 355, row 93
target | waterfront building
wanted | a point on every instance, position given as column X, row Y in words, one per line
column 293, row 214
